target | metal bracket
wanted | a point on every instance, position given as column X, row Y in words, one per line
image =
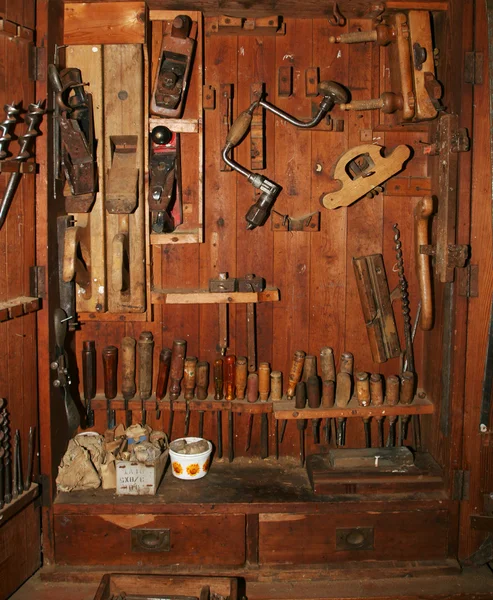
column 355, row 538
column 310, row 223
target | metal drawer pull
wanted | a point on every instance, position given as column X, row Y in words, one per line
column 150, row 540
column 355, row 538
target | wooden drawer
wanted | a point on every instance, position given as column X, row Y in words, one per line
column 149, row 539
column 316, row 539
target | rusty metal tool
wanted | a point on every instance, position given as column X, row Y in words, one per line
column 363, row 396
column 89, row 377
column 110, row 366
column 294, row 378
column 392, row 398
column 328, row 397
column 162, row 378
column 18, row 463
column 409, row 354
column 2, row 484
column 7, row 127
column 251, row 283
column 128, row 376
column 219, row 395
column 422, row 214
column 145, row 346
column 225, row 285
column 327, row 366
column 7, row 462
column 299, row 403
column 406, row 397
column 189, row 380
column 313, row 394
column 178, row 352
column 202, row 390
column 275, row 396
column 343, row 395
column 30, row 460
column 264, row 389
column 15, row 452
column 376, row 397
column 252, row 396
column 230, row 387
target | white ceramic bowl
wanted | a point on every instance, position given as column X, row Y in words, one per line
column 190, row 466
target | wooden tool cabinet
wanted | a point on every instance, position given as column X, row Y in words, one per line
column 253, row 518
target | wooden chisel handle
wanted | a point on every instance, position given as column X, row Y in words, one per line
column 328, row 393
column 110, row 366
column 275, row 385
column 343, row 390
column 347, row 360
column 327, row 364
column 309, row 367
column 264, row 381
column 229, row 377
column 189, row 377
column 218, row 379
column 313, row 391
column 202, row 380
column 376, row 389
column 145, row 346
column 128, row 367
column 163, row 373
column 295, row 372
column 392, row 390
column 422, row 214
column 241, row 377
column 407, row 387
column 252, row 387
column 363, row 388
column 300, row 399
column 176, row 369
column 89, row 369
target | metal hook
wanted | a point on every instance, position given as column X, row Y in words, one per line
column 337, row 18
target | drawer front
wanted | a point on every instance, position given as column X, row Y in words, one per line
column 149, row 539
column 316, row 539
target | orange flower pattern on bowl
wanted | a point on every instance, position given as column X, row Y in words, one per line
column 177, row 468
column 193, row 470
column 205, row 467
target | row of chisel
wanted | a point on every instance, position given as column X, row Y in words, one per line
column 12, row 484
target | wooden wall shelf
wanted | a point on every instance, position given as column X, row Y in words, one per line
column 14, row 507
column 17, row 307
column 206, row 297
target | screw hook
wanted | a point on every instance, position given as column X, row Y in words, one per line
column 337, row 18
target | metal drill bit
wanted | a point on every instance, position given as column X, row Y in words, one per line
column 7, row 126
column 30, row 459
column 409, row 355
column 15, row 491
column 18, row 463
column 6, row 459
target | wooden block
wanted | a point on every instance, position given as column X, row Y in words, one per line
column 311, row 81
column 257, row 130
column 123, row 176
column 104, row 23
column 285, row 82
column 371, row 458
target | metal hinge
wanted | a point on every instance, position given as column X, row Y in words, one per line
column 37, row 63
column 37, row 282
column 461, row 485
column 473, row 68
column 468, row 280
column 43, row 499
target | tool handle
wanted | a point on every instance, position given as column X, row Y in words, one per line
column 347, row 360
column 128, row 367
column 407, row 387
column 275, row 385
column 313, row 391
column 240, row 126
column 145, row 346
column 89, row 369
column 327, row 364
column 110, row 371
column 300, row 397
column 376, row 389
column 422, row 214
column 163, row 373
column 309, row 367
column 241, row 375
column 176, row 369
column 264, row 381
column 392, row 390
column 343, row 389
column 229, row 377
column 363, row 388
column 252, row 387
column 328, row 393
column 202, row 380
column 189, row 377
column 295, row 372
column 218, row 379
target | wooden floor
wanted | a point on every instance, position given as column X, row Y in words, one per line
column 473, row 584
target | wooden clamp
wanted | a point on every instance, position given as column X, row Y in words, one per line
column 361, row 170
column 123, row 176
column 77, row 259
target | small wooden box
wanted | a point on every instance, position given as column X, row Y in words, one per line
column 138, row 479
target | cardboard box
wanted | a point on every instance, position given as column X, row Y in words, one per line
column 139, row 479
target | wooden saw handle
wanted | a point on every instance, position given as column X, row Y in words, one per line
column 422, row 213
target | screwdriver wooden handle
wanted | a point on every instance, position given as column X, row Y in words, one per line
column 343, row 389
column 300, row 397
column 110, row 366
column 163, row 373
column 347, row 361
column 229, row 377
column 407, row 387
column 252, row 387
column 189, row 377
column 295, row 372
column 275, row 385
column 327, row 364
column 202, row 380
column 176, row 369
column 422, row 214
column 89, row 369
column 376, row 389
column 128, row 367
column 145, row 346
column 264, row 381
column 309, row 367
column 241, row 376
column 313, row 391
column 239, row 128
column 392, row 390
column 218, row 379
column 363, row 388
column 328, row 393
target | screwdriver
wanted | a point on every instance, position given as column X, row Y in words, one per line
column 229, row 371
column 294, row 378
column 202, row 379
column 406, row 398
column 252, row 395
column 89, row 378
column 275, row 396
column 263, row 390
column 162, row 378
column 328, row 395
column 128, row 375
column 145, row 346
column 300, row 403
column 376, row 395
column 189, row 376
column 328, row 368
column 392, row 398
column 363, row 397
column 110, row 364
column 343, row 395
column 313, row 393
column 218, row 395
column 178, row 352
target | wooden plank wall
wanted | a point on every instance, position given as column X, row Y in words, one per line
column 319, row 303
